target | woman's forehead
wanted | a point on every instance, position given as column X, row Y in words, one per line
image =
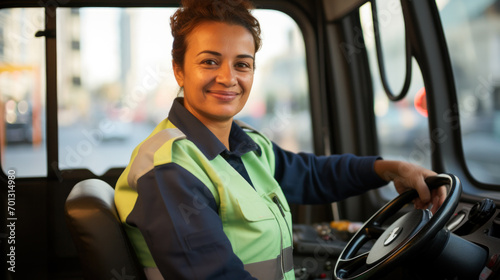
column 220, row 37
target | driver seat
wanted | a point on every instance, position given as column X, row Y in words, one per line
column 102, row 244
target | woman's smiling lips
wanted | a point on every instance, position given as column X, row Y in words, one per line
column 223, row 95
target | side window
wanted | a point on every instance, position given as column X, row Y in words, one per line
column 402, row 126
column 22, row 92
column 115, row 83
column 472, row 30
column 279, row 102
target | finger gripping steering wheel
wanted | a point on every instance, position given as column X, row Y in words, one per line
column 408, row 235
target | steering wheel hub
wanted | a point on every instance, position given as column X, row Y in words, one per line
column 394, row 234
column 397, row 235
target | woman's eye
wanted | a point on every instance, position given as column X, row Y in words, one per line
column 243, row 65
column 209, row 62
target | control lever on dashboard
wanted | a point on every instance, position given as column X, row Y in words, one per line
column 482, row 211
column 479, row 214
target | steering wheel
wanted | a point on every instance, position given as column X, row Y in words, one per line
column 406, row 236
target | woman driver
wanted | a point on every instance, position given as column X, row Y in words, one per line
column 206, row 197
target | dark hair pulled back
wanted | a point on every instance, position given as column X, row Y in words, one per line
column 193, row 12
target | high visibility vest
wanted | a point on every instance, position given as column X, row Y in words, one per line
column 256, row 221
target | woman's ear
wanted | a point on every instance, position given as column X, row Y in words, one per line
column 178, row 73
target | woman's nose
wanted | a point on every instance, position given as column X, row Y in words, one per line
column 226, row 75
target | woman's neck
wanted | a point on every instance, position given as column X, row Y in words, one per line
column 219, row 127
column 221, row 130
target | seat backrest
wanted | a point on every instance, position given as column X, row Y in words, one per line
column 103, row 247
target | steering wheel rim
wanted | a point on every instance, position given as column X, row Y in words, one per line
column 352, row 267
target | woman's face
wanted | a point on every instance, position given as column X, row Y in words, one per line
column 218, row 71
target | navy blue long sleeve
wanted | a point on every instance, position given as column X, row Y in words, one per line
column 309, row 179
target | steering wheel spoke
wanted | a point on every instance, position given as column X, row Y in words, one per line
column 374, row 231
column 350, row 266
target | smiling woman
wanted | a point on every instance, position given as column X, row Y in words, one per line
column 218, row 188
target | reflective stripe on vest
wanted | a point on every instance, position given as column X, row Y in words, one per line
column 144, row 162
column 264, row 270
column 270, row 269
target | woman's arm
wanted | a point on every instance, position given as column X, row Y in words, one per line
column 309, row 179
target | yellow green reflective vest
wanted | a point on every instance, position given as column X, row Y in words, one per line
column 257, row 221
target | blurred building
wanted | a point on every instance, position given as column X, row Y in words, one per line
column 21, row 75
